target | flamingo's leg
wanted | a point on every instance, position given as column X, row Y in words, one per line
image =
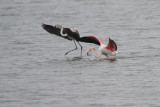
column 81, row 48
column 72, row 49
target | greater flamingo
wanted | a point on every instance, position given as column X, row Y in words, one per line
column 67, row 33
column 73, row 34
column 107, row 50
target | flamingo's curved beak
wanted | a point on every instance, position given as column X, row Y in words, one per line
column 90, row 49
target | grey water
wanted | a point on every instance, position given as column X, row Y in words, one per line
column 35, row 73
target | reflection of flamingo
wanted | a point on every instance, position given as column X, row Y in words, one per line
column 109, row 50
column 67, row 33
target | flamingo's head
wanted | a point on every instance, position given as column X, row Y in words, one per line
column 58, row 26
column 90, row 49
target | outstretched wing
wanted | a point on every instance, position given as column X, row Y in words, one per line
column 111, row 45
column 91, row 39
column 54, row 30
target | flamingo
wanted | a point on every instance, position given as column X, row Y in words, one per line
column 67, row 33
column 107, row 50
column 73, row 34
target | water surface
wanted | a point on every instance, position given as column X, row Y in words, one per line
column 35, row 72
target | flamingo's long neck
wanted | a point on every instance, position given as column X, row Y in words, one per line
column 62, row 32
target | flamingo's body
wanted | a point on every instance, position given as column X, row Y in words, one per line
column 107, row 50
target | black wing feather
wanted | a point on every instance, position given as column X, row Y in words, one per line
column 89, row 39
column 115, row 45
column 53, row 30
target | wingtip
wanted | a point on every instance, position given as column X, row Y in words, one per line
column 110, row 38
column 43, row 25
